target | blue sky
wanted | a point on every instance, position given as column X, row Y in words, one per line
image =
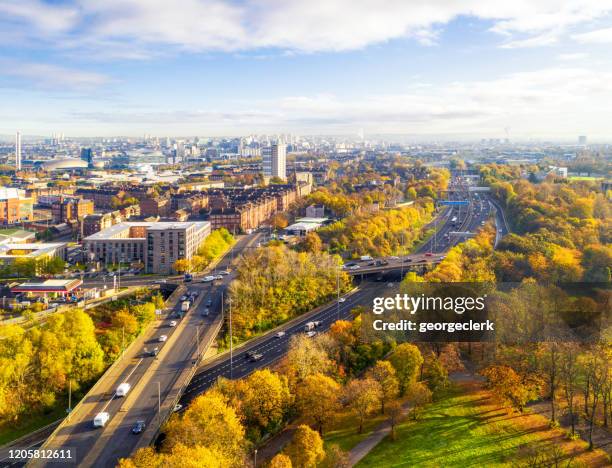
column 437, row 68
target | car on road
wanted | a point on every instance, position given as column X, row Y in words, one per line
column 429, row 254
column 177, row 407
column 256, row 357
column 154, row 352
column 208, row 302
column 101, row 419
column 162, row 338
column 218, row 277
column 138, row 427
column 206, row 312
column 173, row 323
column 408, row 260
column 354, row 267
column 342, row 299
column 280, row 334
column 310, row 334
column 184, row 298
column 161, row 281
column 208, row 279
column 224, row 273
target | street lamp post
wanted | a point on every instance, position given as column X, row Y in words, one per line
column 255, row 460
column 338, row 291
column 231, row 341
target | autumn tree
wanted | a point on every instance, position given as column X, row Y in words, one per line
column 266, row 398
column 435, row 374
column 280, row 460
column 182, row 265
column 317, row 399
column 418, row 395
column 508, row 385
column 306, row 357
column 384, row 373
column 312, row 242
column 180, row 456
column 306, row 448
column 362, row 396
column 209, row 422
column 406, row 360
column 569, row 373
column 394, row 412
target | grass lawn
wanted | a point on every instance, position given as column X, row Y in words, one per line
column 11, row 432
column 467, row 428
column 344, row 431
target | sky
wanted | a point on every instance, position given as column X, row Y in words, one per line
column 538, row 69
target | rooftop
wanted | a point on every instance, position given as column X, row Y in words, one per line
column 115, row 230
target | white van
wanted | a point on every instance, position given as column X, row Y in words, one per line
column 123, row 389
column 365, row 258
column 101, row 419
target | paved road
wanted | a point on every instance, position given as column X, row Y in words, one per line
column 151, row 378
column 273, row 348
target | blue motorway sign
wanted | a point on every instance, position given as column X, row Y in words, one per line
column 453, row 202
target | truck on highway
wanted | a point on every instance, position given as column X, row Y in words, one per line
column 185, row 306
column 311, row 325
column 101, row 419
column 123, row 389
column 365, row 258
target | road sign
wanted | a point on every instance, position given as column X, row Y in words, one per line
column 454, row 202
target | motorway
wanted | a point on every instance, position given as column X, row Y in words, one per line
column 151, row 378
column 274, row 348
column 154, row 378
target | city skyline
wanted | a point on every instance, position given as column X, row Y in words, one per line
column 223, row 68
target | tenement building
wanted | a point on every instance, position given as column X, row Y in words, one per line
column 155, row 244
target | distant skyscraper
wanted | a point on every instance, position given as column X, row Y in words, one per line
column 275, row 161
column 87, row 156
column 18, row 151
column 582, row 140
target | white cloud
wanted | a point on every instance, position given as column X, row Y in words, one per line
column 48, row 18
column 599, row 36
column 296, row 25
column 573, row 56
column 54, row 77
column 552, row 102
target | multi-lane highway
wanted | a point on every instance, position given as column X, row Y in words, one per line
column 272, row 347
column 152, row 378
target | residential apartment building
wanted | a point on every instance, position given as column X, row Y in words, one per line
column 15, row 206
column 102, row 197
column 70, row 209
column 243, row 209
column 275, row 161
column 156, row 244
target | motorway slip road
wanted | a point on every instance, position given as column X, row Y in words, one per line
column 150, row 378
